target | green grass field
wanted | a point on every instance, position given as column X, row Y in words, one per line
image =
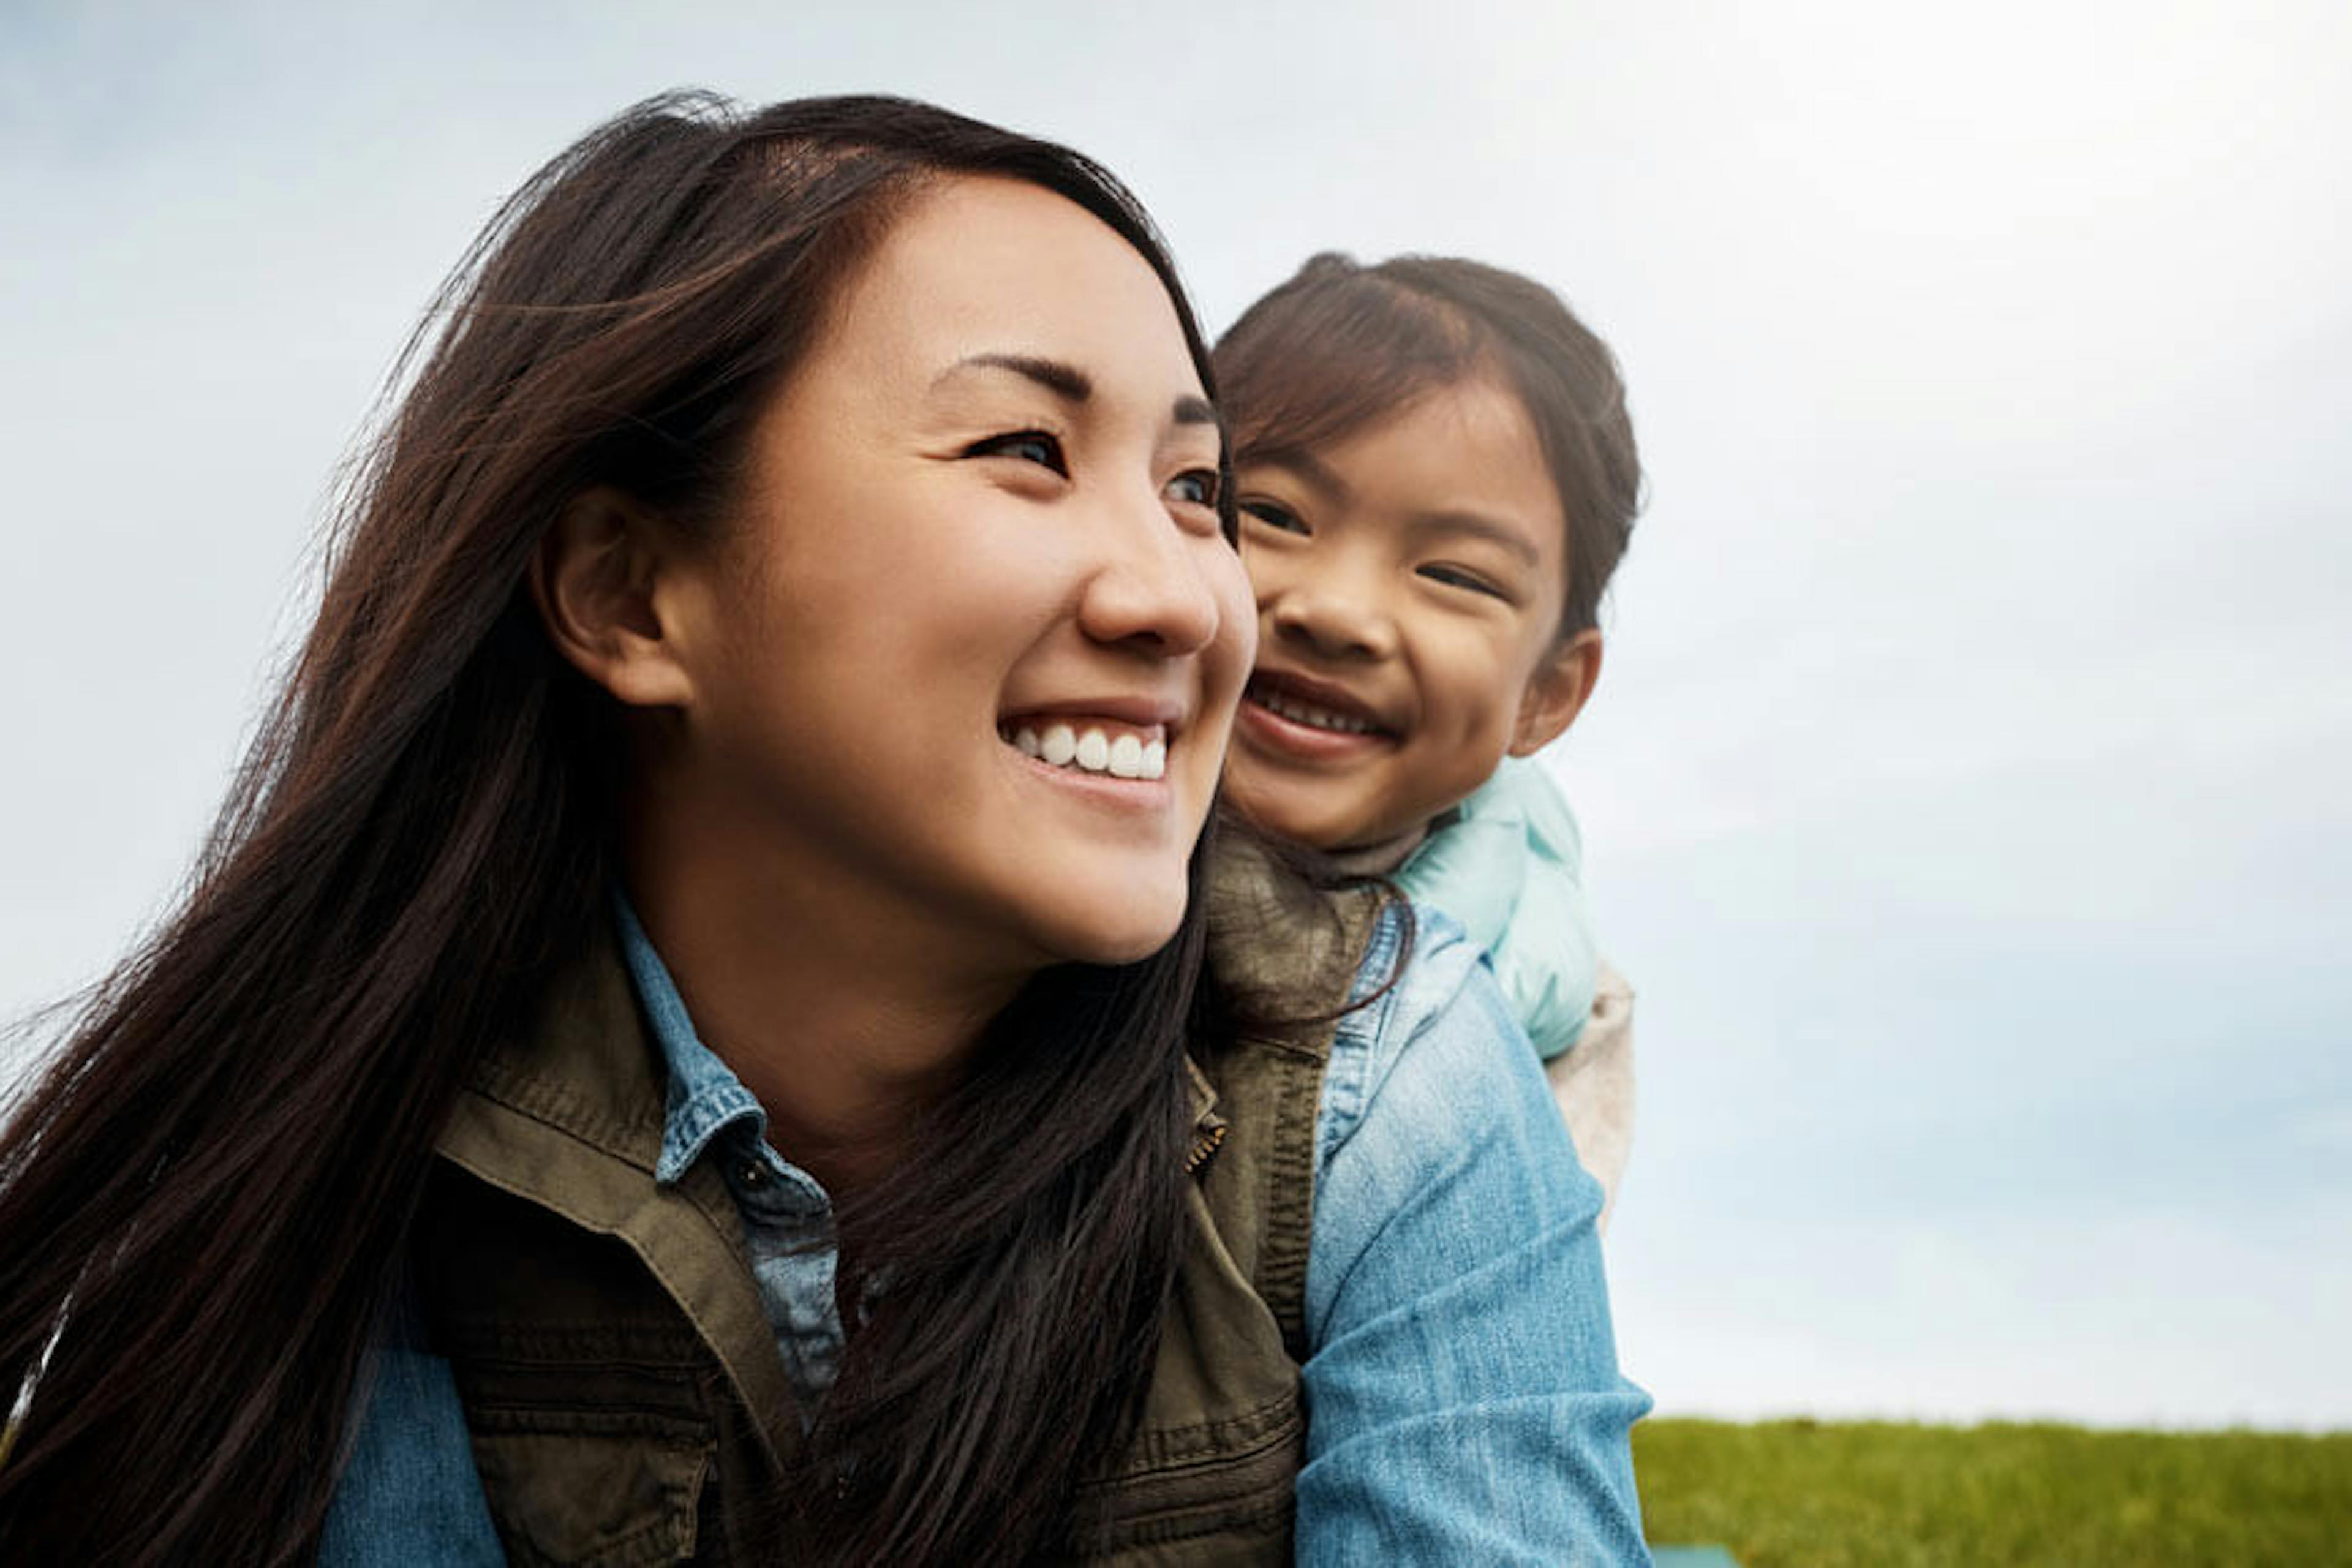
column 1805, row 1494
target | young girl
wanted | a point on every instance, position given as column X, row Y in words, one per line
column 693, row 1041
column 1437, row 478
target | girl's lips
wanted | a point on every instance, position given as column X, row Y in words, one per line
column 1264, row 731
column 1322, row 704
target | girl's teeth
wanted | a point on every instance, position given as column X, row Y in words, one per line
column 1127, row 757
column 1313, row 717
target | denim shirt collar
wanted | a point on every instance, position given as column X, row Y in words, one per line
column 705, row 1098
column 706, row 1103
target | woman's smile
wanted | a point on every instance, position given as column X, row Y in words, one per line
column 1094, row 746
column 1124, row 740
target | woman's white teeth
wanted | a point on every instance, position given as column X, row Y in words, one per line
column 1125, row 757
column 1314, row 717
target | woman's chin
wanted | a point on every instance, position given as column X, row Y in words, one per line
column 1115, row 930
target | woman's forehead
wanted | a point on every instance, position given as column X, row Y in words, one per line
column 978, row 266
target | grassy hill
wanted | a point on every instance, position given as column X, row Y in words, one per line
column 1807, row 1494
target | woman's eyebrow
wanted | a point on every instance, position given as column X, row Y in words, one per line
column 1064, row 380
column 1071, row 385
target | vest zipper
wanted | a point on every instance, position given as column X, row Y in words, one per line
column 1204, row 1143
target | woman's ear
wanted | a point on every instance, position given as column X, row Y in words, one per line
column 1556, row 692
column 595, row 578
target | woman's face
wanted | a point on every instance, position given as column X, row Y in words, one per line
column 969, row 653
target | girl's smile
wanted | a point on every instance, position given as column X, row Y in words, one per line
column 1313, row 721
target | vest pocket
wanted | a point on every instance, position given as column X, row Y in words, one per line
column 610, row 1490
column 1214, row 1491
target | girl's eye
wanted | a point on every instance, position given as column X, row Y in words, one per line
column 1195, row 487
column 1024, row 445
column 1273, row 515
column 1455, row 577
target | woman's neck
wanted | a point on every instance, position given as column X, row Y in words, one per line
column 836, row 1019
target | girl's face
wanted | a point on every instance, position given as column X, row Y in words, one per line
column 971, row 652
column 1410, row 580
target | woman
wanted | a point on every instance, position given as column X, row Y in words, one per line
column 679, row 1049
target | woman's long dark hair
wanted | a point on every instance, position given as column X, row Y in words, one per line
column 211, row 1188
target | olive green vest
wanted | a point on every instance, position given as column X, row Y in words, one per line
column 623, row 1388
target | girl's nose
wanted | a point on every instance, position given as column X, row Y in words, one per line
column 1333, row 618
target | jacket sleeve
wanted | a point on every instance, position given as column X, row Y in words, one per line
column 1465, row 1403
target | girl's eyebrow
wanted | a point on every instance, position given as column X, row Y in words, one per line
column 1478, row 525
column 1310, row 471
column 1313, row 472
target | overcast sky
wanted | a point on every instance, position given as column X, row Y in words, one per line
column 1967, row 793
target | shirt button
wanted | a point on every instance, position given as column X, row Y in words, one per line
column 751, row 1175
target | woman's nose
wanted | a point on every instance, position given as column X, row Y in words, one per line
column 1149, row 590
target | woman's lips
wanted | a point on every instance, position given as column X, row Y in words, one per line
column 1122, row 738
column 1092, row 745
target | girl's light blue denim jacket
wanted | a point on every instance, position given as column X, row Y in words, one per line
column 1463, row 1401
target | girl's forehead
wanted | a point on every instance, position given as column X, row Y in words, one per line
column 1469, row 434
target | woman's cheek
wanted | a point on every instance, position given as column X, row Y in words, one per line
column 1236, row 644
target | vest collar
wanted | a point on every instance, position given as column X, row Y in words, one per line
column 570, row 1116
column 1280, row 947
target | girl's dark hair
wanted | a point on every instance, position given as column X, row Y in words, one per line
column 211, row 1189
column 1341, row 345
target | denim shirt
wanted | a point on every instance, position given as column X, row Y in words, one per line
column 787, row 1214
column 1462, row 1386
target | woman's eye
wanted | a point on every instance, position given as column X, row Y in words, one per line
column 1455, row 577
column 1024, row 445
column 1195, row 487
column 1278, row 517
